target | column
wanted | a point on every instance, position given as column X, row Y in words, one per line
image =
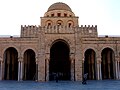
column 1, row 69
column 98, row 70
column 47, row 66
column 19, row 69
column 72, row 67
column 21, row 75
column 118, row 70
column 116, row 67
column 47, row 69
column 99, row 76
column 36, row 76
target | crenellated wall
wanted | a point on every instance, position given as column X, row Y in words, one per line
column 88, row 31
column 29, row 31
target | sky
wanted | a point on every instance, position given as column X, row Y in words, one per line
column 103, row 13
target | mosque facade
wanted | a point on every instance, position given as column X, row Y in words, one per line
column 59, row 46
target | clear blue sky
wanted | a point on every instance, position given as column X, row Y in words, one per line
column 103, row 13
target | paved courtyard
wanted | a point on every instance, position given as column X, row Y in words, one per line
column 61, row 85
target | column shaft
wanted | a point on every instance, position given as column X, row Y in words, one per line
column 100, row 73
column 21, row 74
column 1, row 70
column 47, row 69
column 72, row 70
column 19, row 70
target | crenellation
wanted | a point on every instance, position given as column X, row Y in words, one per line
column 88, row 31
column 29, row 31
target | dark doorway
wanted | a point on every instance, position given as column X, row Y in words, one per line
column 59, row 61
column 107, row 64
column 11, row 64
column 89, row 64
column 29, row 65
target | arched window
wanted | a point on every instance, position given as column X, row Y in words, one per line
column 59, row 23
column 48, row 23
column 70, row 23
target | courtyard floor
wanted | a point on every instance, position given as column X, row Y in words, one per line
column 61, row 85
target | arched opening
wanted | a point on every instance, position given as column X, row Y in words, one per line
column 11, row 64
column 29, row 65
column 48, row 24
column 70, row 23
column 59, row 23
column 107, row 63
column 89, row 64
column 59, row 61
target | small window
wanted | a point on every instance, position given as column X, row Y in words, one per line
column 59, row 14
column 69, row 25
column 52, row 15
column 49, row 24
column 70, row 15
column 65, row 15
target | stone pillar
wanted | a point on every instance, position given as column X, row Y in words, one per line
column 99, row 69
column 36, row 76
column 72, row 67
column 78, row 64
column 47, row 69
column 47, row 66
column 1, row 68
column 20, row 69
column 21, row 75
column 118, row 69
column 41, row 67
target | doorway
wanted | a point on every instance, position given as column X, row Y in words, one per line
column 59, row 61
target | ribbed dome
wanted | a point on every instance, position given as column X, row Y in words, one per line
column 59, row 6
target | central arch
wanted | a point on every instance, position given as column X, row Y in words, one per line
column 59, row 61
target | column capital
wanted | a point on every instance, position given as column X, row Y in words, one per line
column 36, row 60
column 99, row 60
column 72, row 56
column 20, row 59
column 117, row 58
column 47, row 56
